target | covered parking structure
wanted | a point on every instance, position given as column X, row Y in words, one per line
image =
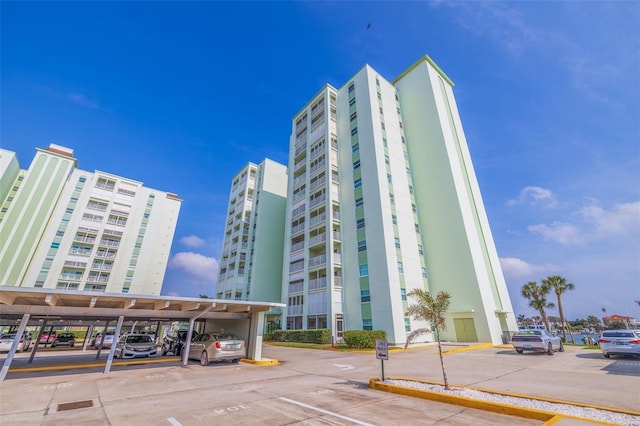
column 36, row 307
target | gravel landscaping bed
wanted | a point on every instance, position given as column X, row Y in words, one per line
column 570, row 410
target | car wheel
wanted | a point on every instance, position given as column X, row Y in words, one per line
column 204, row 359
column 606, row 355
column 235, row 360
column 550, row 349
column 163, row 351
column 561, row 349
column 519, row 350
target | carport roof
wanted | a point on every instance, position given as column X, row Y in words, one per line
column 17, row 301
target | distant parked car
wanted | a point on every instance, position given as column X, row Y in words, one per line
column 174, row 342
column 135, row 346
column 64, row 339
column 536, row 340
column 619, row 342
column 6, row 340
column 108, row 339
column 46, row 337
column 217, row 347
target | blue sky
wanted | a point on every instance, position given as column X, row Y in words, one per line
column 182, row 95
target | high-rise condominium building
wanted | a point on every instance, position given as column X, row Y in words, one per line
column 251, row 260
column 383, row 199
column 66, row 228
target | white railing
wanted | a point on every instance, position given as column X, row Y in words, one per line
column 317, row 308
column 317, row 219
column 317, row 200
column 318, row 260
column 297, row 228
column 296, row 288
column 317, row 239
column 297, row 246
column 294, row 310
column 318, row 283
column 337, row 281
column 336, row 235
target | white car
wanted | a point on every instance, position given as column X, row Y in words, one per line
column 536, row 340
column 135, row 346
column 6, row 340
column 620, row 342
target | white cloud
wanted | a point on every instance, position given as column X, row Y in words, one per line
column 560, row 232
column 74, row 97
column 512, row 267
column 198, row 268
column 192, row 241
column 535, row 196
column 595, row 224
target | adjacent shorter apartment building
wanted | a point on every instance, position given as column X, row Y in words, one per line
column 252, row 249
column 66, row 228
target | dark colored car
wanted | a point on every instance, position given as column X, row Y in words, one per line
column 174, row 342
column 64, row 339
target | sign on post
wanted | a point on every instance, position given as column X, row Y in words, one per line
column 382, row 349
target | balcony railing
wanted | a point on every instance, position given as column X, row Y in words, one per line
column 294, row 310
column 337, row 281
column 318, row 260
column 297, row 228
column 318, row 283
column 318, row 239
column 317, row 200
column 297, row 246
column 296, row 288
column 317, row 219
column 317, row 308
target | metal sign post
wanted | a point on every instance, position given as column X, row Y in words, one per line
column 382, row 353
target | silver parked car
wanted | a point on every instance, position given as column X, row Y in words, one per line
column 536, row 340
column 217, row 347
column 6, row 340
column 619, row 342
column 135, row 346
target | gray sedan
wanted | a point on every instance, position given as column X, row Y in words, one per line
column 536, row 340
column 217, row 347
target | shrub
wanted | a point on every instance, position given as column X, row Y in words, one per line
column 361, row 339
column 321, row 335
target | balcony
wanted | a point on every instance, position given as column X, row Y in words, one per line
column 300, row 147
column 317, row 201
column 337, row 281
column 297, row 246
column 318, row 239
column 318, row 283
column 296, row 288
column 294, row 310
column 317, row 167
column 297, row 228
column 298, row 211
column 88, row 240
column 317, row 308
column 317, row 219
column 318, row 260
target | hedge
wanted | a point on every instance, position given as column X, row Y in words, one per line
column 362, row 339
column 321, row 335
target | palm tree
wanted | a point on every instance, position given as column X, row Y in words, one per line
column 559, row 285
column 521, row 319
column 432, row 310
column 537, row 299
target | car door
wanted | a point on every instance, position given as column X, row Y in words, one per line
column 197, row 346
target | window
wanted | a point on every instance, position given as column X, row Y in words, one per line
column 403, row 294
column 352, row 101
column 359, row 202
column 356, row 164
column 351, row 88
column 386, row 158
column 414, row 208
column 355, row 148
column 394, row 218
column 400, row 268
column 360, row 223
column 424, row 273
column 357, row 184
column 353, row 116
column 407, row 324
column 389, row 178
column 362, row 246
column 365, row 297
column 367, row 324
column 397, row 242
column 364, row 270
column 392, row 198
column 420, row 249
column 354, row 131
column 417, row 228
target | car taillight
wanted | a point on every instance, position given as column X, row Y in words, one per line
column 603, row 341
column 217, row 345
column 635, row 342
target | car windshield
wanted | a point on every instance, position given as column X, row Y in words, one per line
column 618, row 334
column 530, row 333
column 8, row 336
column 227, row 336
column 139, row 339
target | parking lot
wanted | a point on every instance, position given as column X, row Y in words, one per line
column 310, row 387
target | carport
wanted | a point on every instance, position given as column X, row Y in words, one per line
column 37, row 307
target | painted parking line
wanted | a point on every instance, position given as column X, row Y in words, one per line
column 340, row 416
column 173, row 421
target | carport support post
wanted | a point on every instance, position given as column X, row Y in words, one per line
column 187, row 347
column 254, row 351
column 87, row 338
column 37, row 343
column 99, row 345
column 112, row 350
column 14, row 347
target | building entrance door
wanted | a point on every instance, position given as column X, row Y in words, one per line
column 465, row 330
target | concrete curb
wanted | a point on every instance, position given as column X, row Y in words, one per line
column 261, row 362
column 548, row 417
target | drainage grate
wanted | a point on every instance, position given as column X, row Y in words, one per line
column 75, row 405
